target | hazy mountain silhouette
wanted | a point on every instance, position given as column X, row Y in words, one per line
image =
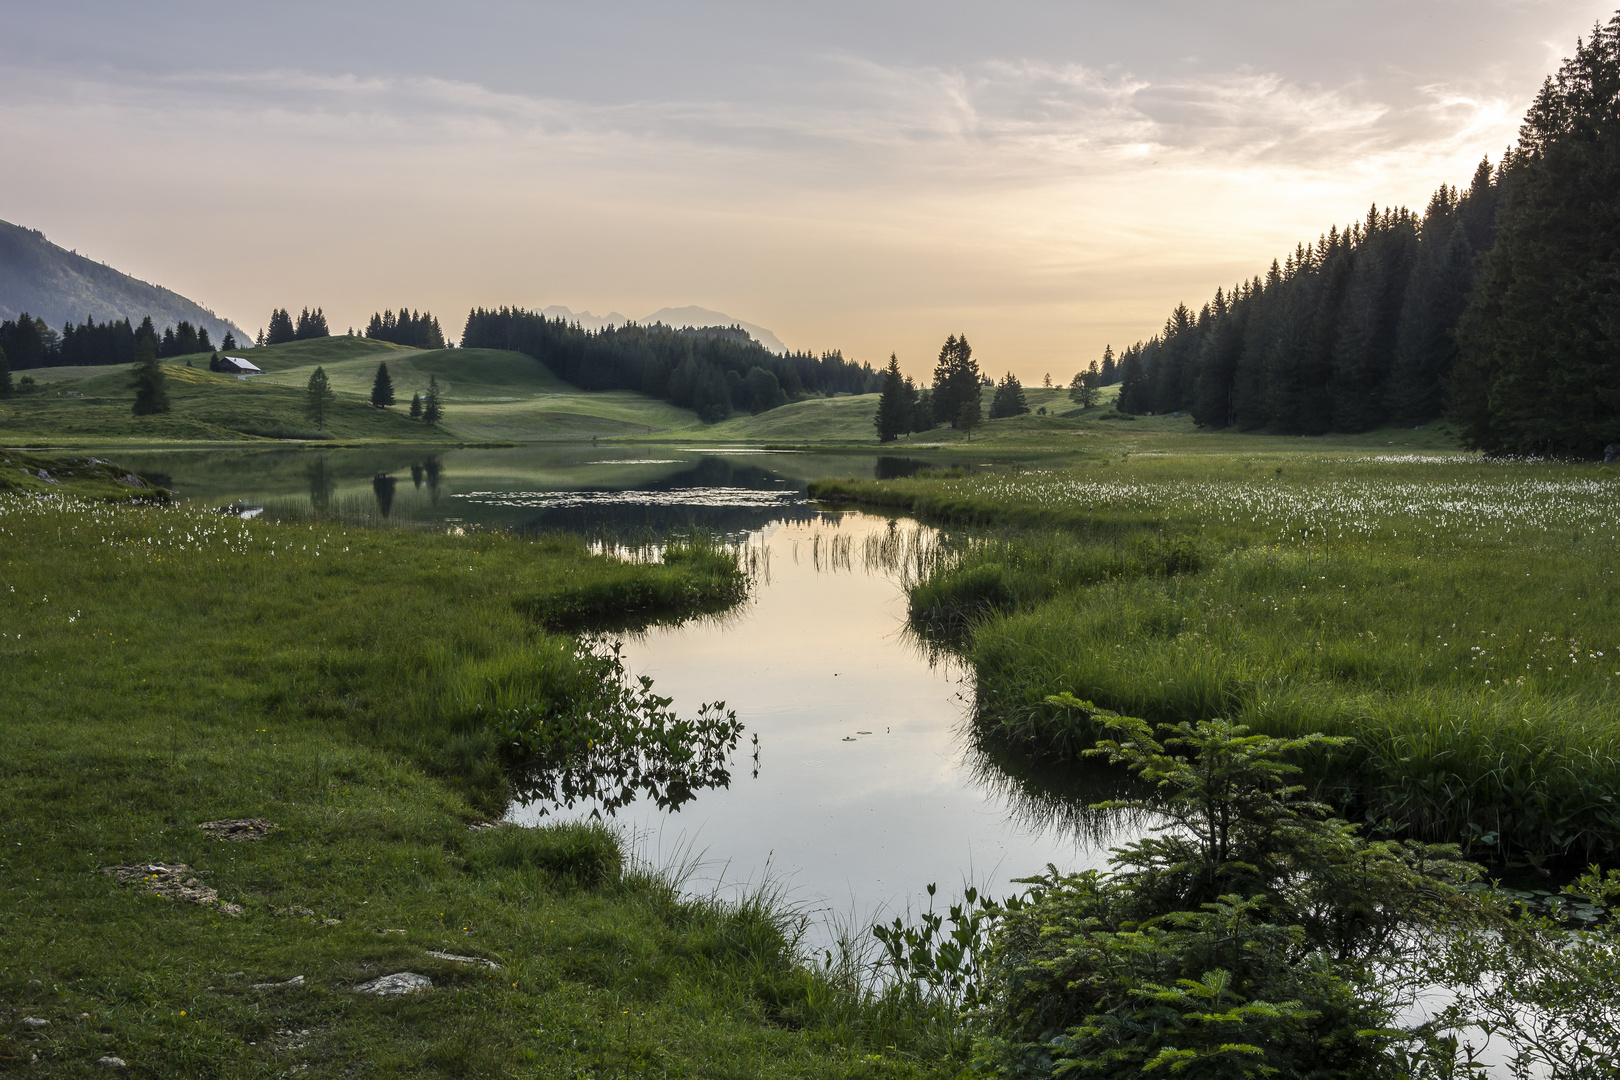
column 60, row 286
column 676, row 317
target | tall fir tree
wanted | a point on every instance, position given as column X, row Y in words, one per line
column 150, row 386
column 1009, row 399
column 6, row 388
column 892, row 420
column 319, row 398
column 416, row 406
column 382, row 387
column 1538, row 370
column 281, row 329
column 431, row 409
column 956, row 380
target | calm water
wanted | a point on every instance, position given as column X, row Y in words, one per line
column 867, row 786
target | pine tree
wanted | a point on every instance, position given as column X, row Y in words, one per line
column 416, row 406
column 319, row 398
column 891, row 419
column 1107, row 370
column 1539, row 357
column 151, row 391
column 281, row 328
column 1009, row 399
column 382, row 388
column 5, row 376
column 229, row 343
column 431, row 410
column 956, row 380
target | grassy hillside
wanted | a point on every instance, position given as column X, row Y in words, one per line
column 329, row 680
column 488, row 396
column 95, row 409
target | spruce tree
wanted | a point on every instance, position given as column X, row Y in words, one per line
column 151, row 391
column 416, row 406
column 1107, row 370
column 382, row 388
column 5, row 376
column 229, row 343
column 281, row 328
column 1009, row 399
column 1539, row 357
column 431, row 410
column 956, row 380
column 319, row 398
column 891, row 419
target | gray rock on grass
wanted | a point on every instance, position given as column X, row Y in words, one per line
column 403, row 982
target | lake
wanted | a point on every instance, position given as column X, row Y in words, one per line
column 867, row 785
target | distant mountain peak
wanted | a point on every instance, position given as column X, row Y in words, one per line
column 60, row 286
column 679, row 318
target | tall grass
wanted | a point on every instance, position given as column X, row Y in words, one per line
column 1458, row 619
column 165, row 667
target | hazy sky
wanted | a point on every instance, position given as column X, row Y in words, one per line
column 1044, row 177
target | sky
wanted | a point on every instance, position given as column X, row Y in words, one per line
column 1045, row 178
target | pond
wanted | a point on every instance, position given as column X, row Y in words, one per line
column 866, row 786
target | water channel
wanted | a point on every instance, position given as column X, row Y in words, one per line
column 867, row 785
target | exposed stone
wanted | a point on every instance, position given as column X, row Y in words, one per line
column 492, row 965
column 170, row 880
column 296, row 980
column 298, row 911
column 239, row 828
column 111, row 1063
column 403, row 982
column 34, row 1022
column 1611, row 453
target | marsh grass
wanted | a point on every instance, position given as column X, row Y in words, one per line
column 1457, row 618
column 165, row 667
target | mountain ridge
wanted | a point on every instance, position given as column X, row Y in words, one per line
column 49, row 282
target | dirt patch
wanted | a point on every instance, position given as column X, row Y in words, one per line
column 239, row 829
column 173, row 881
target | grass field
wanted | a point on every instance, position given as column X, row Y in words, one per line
column 488, row 396
column 166, row 667
column 1460, row 619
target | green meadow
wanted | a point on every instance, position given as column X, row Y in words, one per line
column 488, row 396
column 167, row 667
column 1459, row 618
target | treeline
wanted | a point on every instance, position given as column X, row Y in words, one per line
column 714, row 371
column 282, row 329
column 1351, row 333
column 1495, row 308
column 31, row 343
column 417, row 330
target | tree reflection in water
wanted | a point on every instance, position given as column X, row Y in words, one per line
column 612, row 741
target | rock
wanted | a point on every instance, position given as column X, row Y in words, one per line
column 34, row 1022
column 492, row 965
column 296, row 980
column 239, row 829
column 390, row 931
column 111, row 1063
column 233, row 910
column 165, row 879
column 1611, row 453
column 298, row 911
column 35, row 982
column 404, row 982
column 331, row 922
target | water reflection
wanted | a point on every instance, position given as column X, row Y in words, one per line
column 383, row 485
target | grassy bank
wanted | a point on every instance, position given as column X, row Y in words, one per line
column 1459, row 619
column 166, row 668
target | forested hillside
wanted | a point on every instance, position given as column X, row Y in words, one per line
column 1498, row 306
column 714, row 371
column 1350, row 333
column 48, row 282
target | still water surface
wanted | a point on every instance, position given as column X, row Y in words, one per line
column 867, row 785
